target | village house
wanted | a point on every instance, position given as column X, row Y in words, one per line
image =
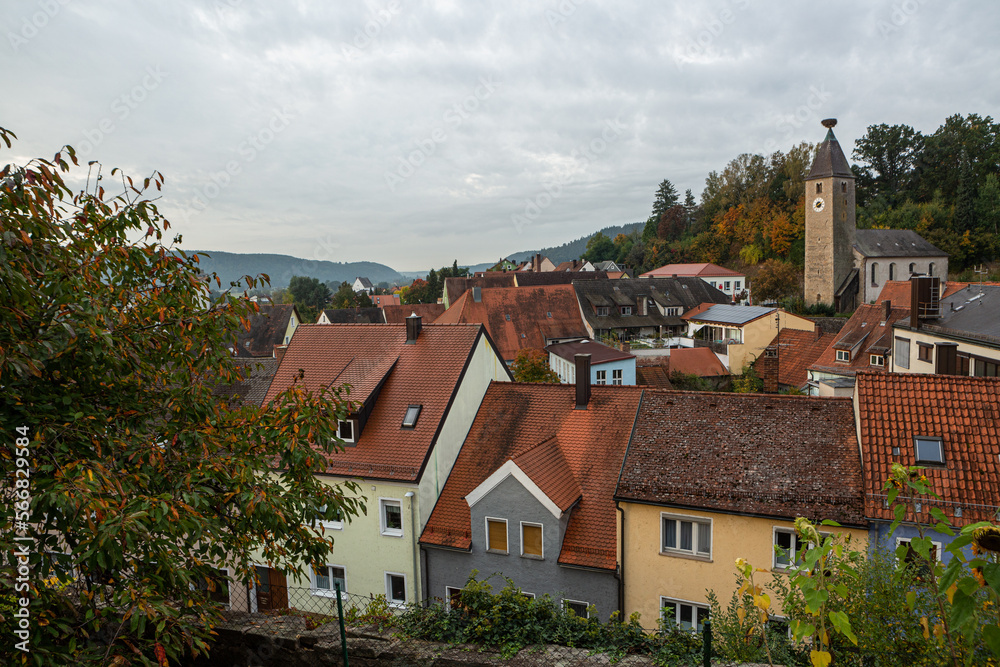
column 742, row 332
column 608, row 365
column 729, row 282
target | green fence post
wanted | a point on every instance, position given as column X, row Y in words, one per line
column 706, row 635
column 340, row 618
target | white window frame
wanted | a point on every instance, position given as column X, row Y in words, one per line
column 448, row 592
column 327, row 592
column 796, row 547
column 354, row 430
column 506, row 530
column 843, row 356
column 937, row 546
column 880, row 362
column 566, row 602
column 698, row 521
column 224, row 570
column 737, row 285
column 388, row 589
column 540, row 527
column 330, row 525
column 601, row 377
column 695, row 606
column 728, row 287
column 931, row 438
column 383, row 528
column 616, row 376
column 626, row 310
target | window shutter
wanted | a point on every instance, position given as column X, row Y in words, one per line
column 497, row 535
column 532, row 540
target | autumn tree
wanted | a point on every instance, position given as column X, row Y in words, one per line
column 776, row 280
column 532, row 365
column 141, row 480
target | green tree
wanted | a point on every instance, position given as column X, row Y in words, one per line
column 666, row 197
column 533, row 366
column 889, row 155
column 346, row 297
column 309, row 295
column 139, row 475
column 599, row 249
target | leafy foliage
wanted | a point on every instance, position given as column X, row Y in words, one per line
column 143, row 479
column 533, row 366
column 599, row 249
column 346, row 297
column 309, row 295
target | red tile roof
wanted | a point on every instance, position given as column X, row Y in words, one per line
column 797, row 351
column 425, row 373
column 652, row 376
column 766, row 455
column 513, row 419
column 898, row 291
column 456, row 287
column 547, row 467
column 700, row 361
column 528, row 309
column 383, row 300
column 398, row 314
column 704, row 269
column 599, row 352
column 870, row 330
column 963, row 411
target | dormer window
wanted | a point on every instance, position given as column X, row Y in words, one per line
column 877, row 360
column 602, row 311
column 843, row 356
column 345, row 429
column 928, row 450
column 410, row 418
column 507, row 317
column 626, row 310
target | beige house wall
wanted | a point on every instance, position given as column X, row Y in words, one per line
column 650, row 574
column 921, row 336
column 758, row 334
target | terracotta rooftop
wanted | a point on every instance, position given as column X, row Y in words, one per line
column 383, row 300
column 765, row 455
column 397, row 314
column 700, row 361
column 267, row 329
column 520, row 318
column 515, row 419
column 652, row 376
column 867, row 332
column 797, row 351
column 898, row 291
column 456, row 287
column 599, row 352
column 964, row 412
column 704, row 269
column 425, row 373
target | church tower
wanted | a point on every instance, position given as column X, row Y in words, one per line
column 830, row 227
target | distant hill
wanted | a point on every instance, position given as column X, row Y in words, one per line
column 574, row 249
column 232, row 266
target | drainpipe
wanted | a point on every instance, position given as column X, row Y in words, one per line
column 413, row 527
column 621, row 569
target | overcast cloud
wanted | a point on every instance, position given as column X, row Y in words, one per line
column 416, row 133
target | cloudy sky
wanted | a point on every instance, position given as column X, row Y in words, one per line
column 413, row 133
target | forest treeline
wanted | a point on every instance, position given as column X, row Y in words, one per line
column 751, row 215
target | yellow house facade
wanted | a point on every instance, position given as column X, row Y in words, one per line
column 712, row 477
column 746, row 330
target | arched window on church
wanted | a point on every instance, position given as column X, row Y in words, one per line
column 930, row 269
column 892, row 270
column 819, row 188
column 874, row 274
column 912, row 267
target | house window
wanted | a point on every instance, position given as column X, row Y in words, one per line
column 395, row 588
column 912, row 267
column 602, row 311
column 410, row 418
column 327, row 578
column 892, row 270
column 877, row 360
column 626, row 310
column 986, row 368
column 548, row 315
column 345, row 430
column 902, row 354
column 616, row 376
column 874, row 274
column 737, row 285
column 216, row 585
column 329, row 519
column 712, row 283
column 925, row 352
column 602, row 377
column 685, row 615
column 496, row 535
column 819, row 188
column 507, row 317
column 673, row 312
column 913, row 558
column 928, row 450
column 728, row 286
column 786, row 548
column 531, row 540
column 581, row 609
column 453, row 597
column 391, row 512
column 930, row 269
column 843, row 355
column 686, row 535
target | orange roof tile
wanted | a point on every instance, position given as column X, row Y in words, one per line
column 652, row 376
column 426, row 372
column 520, row 318
column 768, row 455
column 512, row 419
column 870, row 330
column 700, row 361
column 797, row 351
column 547, row 467
column 963, row 411
column 398, row 314
column 703, row 269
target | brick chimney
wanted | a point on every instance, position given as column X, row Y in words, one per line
column 279, row 352
column 413, row 326
column 767, row 369
column 582, row 362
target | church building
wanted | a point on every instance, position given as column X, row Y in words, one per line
column 846, row 266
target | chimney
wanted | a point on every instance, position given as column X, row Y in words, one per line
column 279, row 352
column 946, row 359
column 477, row 294
column 888, row 310
column 574, row 265
column 413, row 326
column 767, row 369
column 582, row 362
